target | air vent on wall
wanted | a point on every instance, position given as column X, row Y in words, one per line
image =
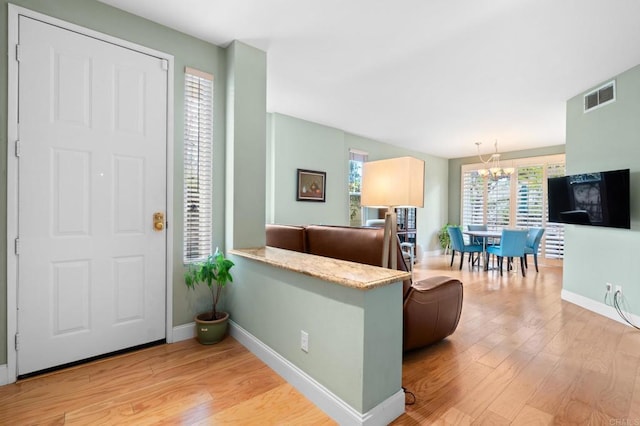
column 601, row 96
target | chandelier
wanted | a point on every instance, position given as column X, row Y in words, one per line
column 492, row 164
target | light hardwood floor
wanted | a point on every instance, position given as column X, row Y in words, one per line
column 519, row 356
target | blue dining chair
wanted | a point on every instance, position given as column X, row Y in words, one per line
column 457, row 244
column 533, row 242
column 477, row 240
column 512, row 245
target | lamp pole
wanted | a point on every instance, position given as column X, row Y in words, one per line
column 390, row 239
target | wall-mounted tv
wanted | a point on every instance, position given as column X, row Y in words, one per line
column 597, row 199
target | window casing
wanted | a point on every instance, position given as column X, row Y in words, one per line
column 516, row 201
column 198, row 165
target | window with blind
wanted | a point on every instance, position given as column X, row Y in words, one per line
column 356, row 160
column 529, row 196
column 516, row 201
column 498, row 203
column 473, row 198
column 553, row 241
column 198, row 158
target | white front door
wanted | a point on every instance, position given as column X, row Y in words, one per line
column 92, row 173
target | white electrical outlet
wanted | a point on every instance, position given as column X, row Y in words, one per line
column 608, row 286
column 304, row 340
column 619, row 289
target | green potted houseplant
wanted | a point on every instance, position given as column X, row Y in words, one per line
column 215, row 272
column 444, row 239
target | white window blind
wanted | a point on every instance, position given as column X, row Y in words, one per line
column 529, row 196
column 473, row 199
column 198, row 160
column 498, row 203
column 554, row 233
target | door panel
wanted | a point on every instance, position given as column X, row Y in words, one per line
column 92, row 171
column 71, row 188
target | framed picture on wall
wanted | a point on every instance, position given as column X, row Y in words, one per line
column 311, row 185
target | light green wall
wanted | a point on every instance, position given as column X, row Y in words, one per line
column 246, row 146
column 355, row 338
column 455, row 169
column 294, row 143
column 274, row 305
column 606, row 138
column 299, row 144
column 187, row 51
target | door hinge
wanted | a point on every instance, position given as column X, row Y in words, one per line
column 18, row 52
column 18, row 148
column 165, row 64
column 17, row 245
column 17, row 341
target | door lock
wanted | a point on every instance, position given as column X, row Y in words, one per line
column 158, row 221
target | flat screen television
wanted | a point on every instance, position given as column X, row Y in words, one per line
column 597, row 199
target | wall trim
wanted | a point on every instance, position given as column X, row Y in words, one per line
column 4, row 375
column 184, row 332
column 383, row 414
column 597, row 307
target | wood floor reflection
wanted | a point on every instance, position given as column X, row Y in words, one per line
column 519, row 356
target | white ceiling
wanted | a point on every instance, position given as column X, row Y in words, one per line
column 431, row 75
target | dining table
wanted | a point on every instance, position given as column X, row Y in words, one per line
column 484, row 235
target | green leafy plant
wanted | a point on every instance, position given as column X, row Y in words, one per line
column 215, row 273
column 443, row 236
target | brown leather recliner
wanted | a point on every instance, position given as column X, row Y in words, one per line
column 432, row 306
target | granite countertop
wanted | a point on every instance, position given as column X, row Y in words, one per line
column 348, row 274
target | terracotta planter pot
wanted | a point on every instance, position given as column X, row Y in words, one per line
column 210, row 332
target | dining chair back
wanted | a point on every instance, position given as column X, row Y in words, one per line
column 476, row 240
column 457, row 244
column 457, row 240
column 533, row 243
column 512, row 244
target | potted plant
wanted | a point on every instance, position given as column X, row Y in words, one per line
column 215, row 272
column 443, row 237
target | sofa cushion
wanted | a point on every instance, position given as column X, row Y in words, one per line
column 288, row 237
column 362, row 245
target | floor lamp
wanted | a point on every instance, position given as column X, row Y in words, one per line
column 396, row 182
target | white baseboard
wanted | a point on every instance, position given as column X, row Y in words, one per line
column 383, row 414
column 4, row 375
column 184, row 332
column 597, row 307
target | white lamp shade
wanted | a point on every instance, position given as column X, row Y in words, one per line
column 396, row 182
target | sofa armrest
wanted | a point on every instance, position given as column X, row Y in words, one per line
column 432, row 309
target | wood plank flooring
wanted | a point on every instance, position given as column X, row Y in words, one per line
column 519, row 356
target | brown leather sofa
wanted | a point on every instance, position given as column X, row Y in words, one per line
column 432, row 306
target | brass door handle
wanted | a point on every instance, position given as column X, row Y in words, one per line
column 158, row 221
